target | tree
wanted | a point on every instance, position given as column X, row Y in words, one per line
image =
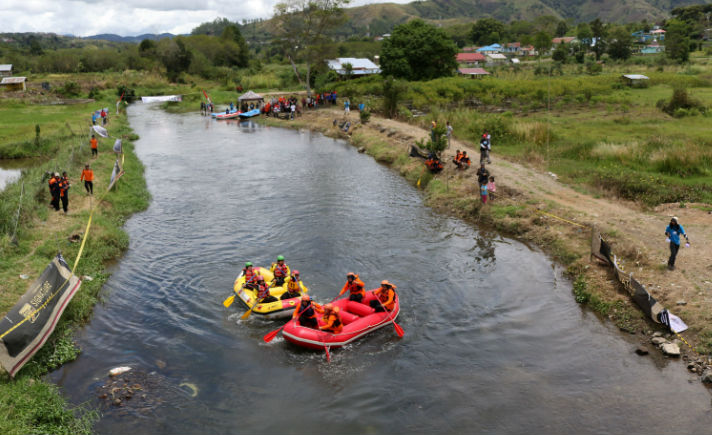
column 542, row 42
column 677, row 42
column 231, row 33
column 392, row 93
column 560, row 53
column 584, row 34
column 418, row 51
column 301, row 28
column 147, row 48
column 485, row 29
column 599, row 33
column 619, row 46
column 175, row 56
column 561, row 29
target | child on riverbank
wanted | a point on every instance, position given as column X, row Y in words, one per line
column 483, row 193
column 491, row 188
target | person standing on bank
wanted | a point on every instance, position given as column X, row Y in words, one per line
column 94, row 146
column 88, row 178
column 673, row 231
column 64, row 191
column 448, row 132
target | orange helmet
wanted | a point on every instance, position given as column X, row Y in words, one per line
column 306, row 298
column 350, row 274
column 385, row 282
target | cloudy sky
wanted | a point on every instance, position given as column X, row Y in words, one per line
column 129, row 17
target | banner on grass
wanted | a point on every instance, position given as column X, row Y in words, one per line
column 31, row 321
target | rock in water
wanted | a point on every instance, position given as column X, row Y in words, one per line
column 671, row 349
column 658, row 341
column 641, row 350
column 118, row 370
column 707, row 376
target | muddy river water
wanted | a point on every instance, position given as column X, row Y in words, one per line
column 494, row 341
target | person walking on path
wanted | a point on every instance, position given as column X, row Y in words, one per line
column 346, row 107
column 94, row 146
column 93, row 118
column 64, row 191
column 88, row 178
column 448, row 132
column 673, row 231
column 489, row 146
column 103, row 117
column 484, row 149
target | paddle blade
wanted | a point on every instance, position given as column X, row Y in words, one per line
column 399, row 330
column 270, row 335
column 229, row 301
column 247, row 313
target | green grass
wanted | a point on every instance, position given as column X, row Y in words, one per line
column 29, row 404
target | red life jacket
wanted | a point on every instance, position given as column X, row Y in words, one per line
column 280, row 270
column 262, row 291
column 250, row 275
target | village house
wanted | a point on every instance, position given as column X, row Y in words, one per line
column 652, row 48
column 6, row 70
column 490, row 49
column 470, row 59
column 643, row 37
column 496, row 59
column 526, row 51
column 564, row 40
column 511, row 47
column 475, row 73
column 359, row 66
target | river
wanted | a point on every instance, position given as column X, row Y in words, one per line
column 494, row 341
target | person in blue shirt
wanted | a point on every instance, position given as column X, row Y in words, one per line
column 673, row 231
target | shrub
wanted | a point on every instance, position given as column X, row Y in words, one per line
column 681, row 104
column 69, row 89
column 365, row 116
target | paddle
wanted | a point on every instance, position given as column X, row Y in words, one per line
column 248, row 312
column 270, row 335
column 227, row 302
column 399, row 330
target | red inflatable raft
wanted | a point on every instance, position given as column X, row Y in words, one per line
column 358, row 319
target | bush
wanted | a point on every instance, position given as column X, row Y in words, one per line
column 681, row 104
column 365, row 116
column 70, row 89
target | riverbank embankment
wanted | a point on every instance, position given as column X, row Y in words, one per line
column 534, row 206
column 31, row 238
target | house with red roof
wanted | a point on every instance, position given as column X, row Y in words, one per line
column 470, row 58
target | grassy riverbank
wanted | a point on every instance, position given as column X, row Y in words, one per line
column 29, row 404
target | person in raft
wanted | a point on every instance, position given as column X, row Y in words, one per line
column 294, row 286
column 386, row 297
column 355, row 287
column 263, row 294
column 306, row 312
column 250, row 276
column 280, row 271
column 332, row 319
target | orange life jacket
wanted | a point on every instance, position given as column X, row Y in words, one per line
column 88, row 175
column 94, row 143
column 387, row 297
column 332, row 323
column 293, row 285
column 355, row 287
column 305, row 310
column 458, row 156
column 63, row 186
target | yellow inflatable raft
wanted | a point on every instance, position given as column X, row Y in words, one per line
column 279, row 309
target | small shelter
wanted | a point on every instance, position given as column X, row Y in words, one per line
column 250, row 97
column 474, row 73
column 14, row 83
column 635, row 80
column 6, row 70
column 495, row 58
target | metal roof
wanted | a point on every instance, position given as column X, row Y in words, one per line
column 356, row 63
column 6, row 67
column 473, row 71
column 9, row 80
column 249, row 95
column 635, row 76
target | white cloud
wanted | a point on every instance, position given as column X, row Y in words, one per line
column 128, row 17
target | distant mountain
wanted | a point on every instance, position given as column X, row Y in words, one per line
column 135, row 39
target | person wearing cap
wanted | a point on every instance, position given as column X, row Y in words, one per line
column 355, row 287
column 263, row 294
column 88, row 178
column 306, row 312
column 280, row 271
column 294, row 286
column 331, row 319
column 673, row 231
column 250, row 276
column 385, row 297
